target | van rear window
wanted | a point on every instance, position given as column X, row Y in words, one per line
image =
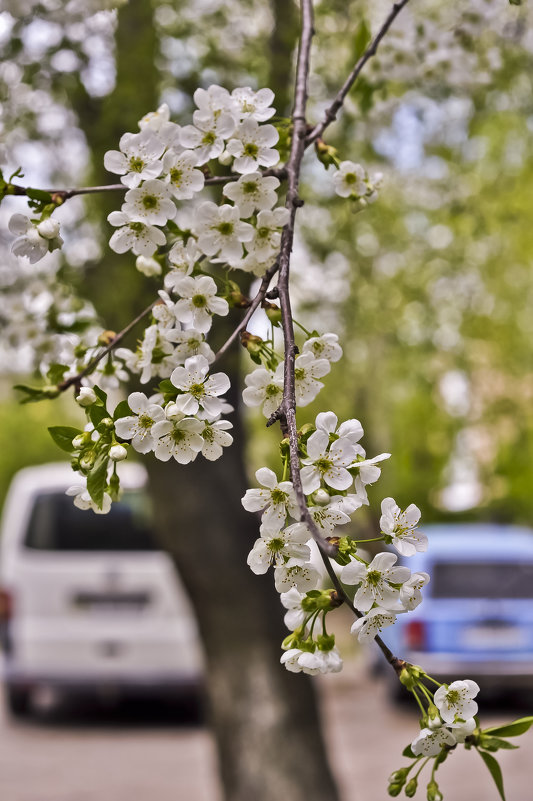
column 482, row 580
column 57, row 525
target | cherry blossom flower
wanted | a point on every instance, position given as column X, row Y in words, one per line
column 455, row 702
column 312, row 662
column 149, row 204
column 159, row 123
column 295, row 615
column 179, row 171
column 179, row 438
column 350, row 179
column 349, row 429
column 83, row 500
column 221, row 232
column 188, row 343
column 410, row 595
column 307, row 371
column 139, row 426
column 463, row 730
column 142, row 239
column 325, row 463
column 182, row 259
column 34, row 240
column 164, row 311
column 252, row 193
column 207, row 136
column 254, row 105
column 303, row 577
column 198, row 302
column 368, row 626
column 215, row 436
column 212, row 102
column 267, row 234
column 199, row 390
column 138, row 158
column 325, row 346
column 430, row 742
column 400, row 527
column 277, row 547
column 251, row 146
column 276, row 500
column 326, row 518
column 263, row 387
column 376, row 581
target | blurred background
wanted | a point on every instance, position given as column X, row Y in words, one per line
column 430, row 291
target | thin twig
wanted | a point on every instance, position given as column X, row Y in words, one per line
column 70, row 382
column 338, row 102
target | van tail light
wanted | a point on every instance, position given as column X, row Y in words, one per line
column 6, row 606
column 415, row 635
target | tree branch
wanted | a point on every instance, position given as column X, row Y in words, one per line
column 75, row 379
column 336, row 105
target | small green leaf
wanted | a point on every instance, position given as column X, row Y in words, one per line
column 122, row 410
column 34, row 394
column 495, row 743
column 63, row 436
column 408, row 752
column 96, row 414
column 362, row 39
column 39, row 194
column 97, row 479
column 56, row 373
column 495, row 771
column 100, row 394
column 513, row 729
column 515, row 2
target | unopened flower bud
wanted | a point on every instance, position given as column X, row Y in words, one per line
column 399, row 776
column 107, row 422
column 434, row 794
column 86, row 397
column 395, row 789
column 48, row 229
column 148, row 266
column 80, row 440
column 411, row 788
column 106, row 337
column 321, row 497
column 225, row 158
column 118, row 453
column 272, row 311
column 87, row 460
column 252, row 343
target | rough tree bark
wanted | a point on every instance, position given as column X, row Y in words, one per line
column 264, row 719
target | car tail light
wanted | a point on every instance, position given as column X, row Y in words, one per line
column 415, row 635
column 6, row 606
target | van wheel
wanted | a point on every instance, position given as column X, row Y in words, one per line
column 17, row 700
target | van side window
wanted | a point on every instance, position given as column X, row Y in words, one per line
column 482, row 580
column 57, row 525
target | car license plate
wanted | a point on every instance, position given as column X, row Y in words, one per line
column 493, row 637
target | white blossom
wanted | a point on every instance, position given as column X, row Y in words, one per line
column 400, row 527
column 86, row 396
column 350, row 180
column 142, row 239
column 276, row 500
column 325, row 346
column 254, row 105
column 376, row 581
column 263, row 388
column 215, row 436
column 252, row 192
column 198, row 390
column 410, row 595
column 295, row 615
column 251, row 146
column 179, row 438
column 188, row 343
column 455, row 702
column 138, row 158
column 34, row 240
column 207, row 136
column 307, row 371
column 267, row 233
column 303, row 577
column 148, row 266
column 277, row 547
column 149, row 203
column 179, row 171
column 118, row 453
column 198, row 302
column 139, row 426
column 325, row 463
column 83, row 500
column 220, row 231
column 182, row 259
column 430, row 742
column 371, row 624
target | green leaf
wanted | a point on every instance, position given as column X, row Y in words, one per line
column 495, row 743
column 96, row 414
column 100, row 394
column 408, row 752
column 122, row 410
column 495, row 771
column 513, row 729
column 56, row 372
column 97, row 479
column 39, row 194
column 63, row 436
column 362, row 39
column 515, row 2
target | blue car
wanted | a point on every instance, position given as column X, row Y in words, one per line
column 476, row 619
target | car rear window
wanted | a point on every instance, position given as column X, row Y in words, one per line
column 482, row 580
column 57, row 525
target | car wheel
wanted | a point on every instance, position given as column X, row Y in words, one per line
column 17, row 700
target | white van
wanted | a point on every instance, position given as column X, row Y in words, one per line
column 87, row 601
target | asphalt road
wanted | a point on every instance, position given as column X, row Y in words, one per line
column 144, row 753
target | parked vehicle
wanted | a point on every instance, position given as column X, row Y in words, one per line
column 88, row 601
column 476, row 619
